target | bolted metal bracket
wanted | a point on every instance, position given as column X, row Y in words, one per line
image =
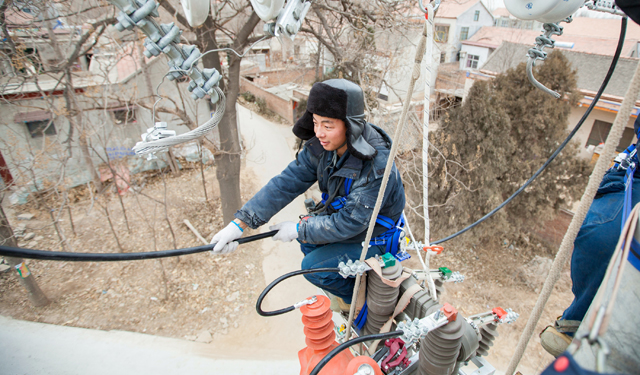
column 417, row 328
column 351, row 268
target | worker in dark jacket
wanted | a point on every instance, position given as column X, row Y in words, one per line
column 347, row 157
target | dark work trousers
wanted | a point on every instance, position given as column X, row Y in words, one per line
column 597, row 240
column 330, row 255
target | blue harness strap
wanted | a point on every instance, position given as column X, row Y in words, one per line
column 628, row 163
column 361, row 319
column 628, row 160
column 391, row 237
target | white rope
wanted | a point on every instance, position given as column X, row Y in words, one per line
column 413, row 240
column 585, row 202
column 425, row 129
column 425, row 150
column 387, row 171
column 163, row 144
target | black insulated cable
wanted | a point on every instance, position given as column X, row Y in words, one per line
column 278, row 281
column 357, row 340
column 614, row 62
column 17, row 252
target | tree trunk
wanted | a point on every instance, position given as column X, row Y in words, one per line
column 228, row 162
column 74, row 115
column 228, row 165
column 26, row 278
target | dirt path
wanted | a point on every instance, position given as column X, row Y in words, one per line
column 269, row 149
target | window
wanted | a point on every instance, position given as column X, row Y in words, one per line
column 442, row 33
column 476, row 15
column 41, row 127
column 464, row 33
column 124, row 116
column 504, row 22
column 443, row 57
column 472, row 61
column 600, row 131
column 528, row 25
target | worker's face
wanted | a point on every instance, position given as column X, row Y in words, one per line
column 331, row 132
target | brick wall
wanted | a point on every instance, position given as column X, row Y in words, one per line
column 552, row 231
column 275, row 103
column 449, row 77
column 282, row 76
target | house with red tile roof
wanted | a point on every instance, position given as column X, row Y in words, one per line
column 589, row 35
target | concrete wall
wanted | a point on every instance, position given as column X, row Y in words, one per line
column 281, row 76
column 282, row 107
column 583, row 134
column 47, row 154
column 552, row 232
column 450, row 78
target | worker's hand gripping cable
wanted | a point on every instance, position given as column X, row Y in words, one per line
column 287, row 231
column 225, row 240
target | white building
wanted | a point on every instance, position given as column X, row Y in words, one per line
column 457, row 21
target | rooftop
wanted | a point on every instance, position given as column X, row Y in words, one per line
column 454, row 8
column 492, row 37
column 591, row 67
column 601, row 27
column 15, row 18
column 284, row 91
column 501, row 12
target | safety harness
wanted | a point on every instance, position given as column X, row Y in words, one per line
column 628, row 161
column 390, row 238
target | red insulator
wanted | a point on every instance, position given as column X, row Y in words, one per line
column 320, row 339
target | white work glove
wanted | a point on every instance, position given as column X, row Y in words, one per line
column 287, row 231
column 225, row 239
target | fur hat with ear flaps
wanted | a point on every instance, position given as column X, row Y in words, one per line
column 341, row 99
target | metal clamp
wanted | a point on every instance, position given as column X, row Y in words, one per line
column 601, row 354
column 417, row 328
column 436, row 5
column 307, row 301
column 352, row 268
column 606, row 6
column 289, row 20
column 159, row 131
column 508, row 318
column 537, row 53
column 625, row 160
column 496, row 315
